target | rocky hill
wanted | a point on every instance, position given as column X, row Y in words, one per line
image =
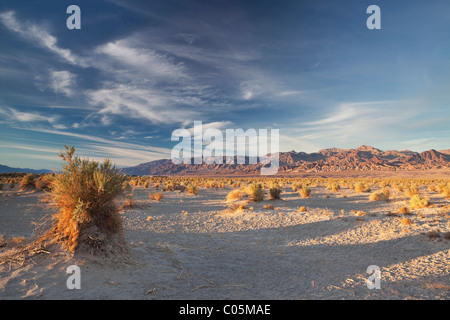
column 363, row 158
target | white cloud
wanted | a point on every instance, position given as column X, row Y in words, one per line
column 63, row 82
column 40, row 36
column 133, row 102
column 13, row 115
column 143, row 60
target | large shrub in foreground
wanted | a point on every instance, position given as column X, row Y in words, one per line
column 85, row 194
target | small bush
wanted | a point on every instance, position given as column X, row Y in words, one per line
column 417, row 201
column 275, row 192
column 191, row 189
column 445, row 191
column 382, row 195
column 254, row 191
column 302, row 209
column 234, row 195
column 43, row 183
column 404, row 210
column 27, row 181
column 305, row 192
column 156, row 196
column 405, row 221
column 411, row 191
column 333, row 186
column 361, row 187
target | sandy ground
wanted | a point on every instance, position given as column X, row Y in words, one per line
column 193, row 247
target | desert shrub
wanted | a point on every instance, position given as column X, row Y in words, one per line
column 302, row 209
column 27, row 181
column 381, row 195
column 254, row 191
column 405, row 221
column 191, row 189
column 156, row 196
column 404, row 210
column 234, row 195
column 43, row 183
column 275, row 192
column 333, row 186
column 361, row 187
column 417, row 201
column 445, row 191
column 84, row 193
column 296, row 186
column 411, row 191
column 239, row 207
column 268, row 207
column 305, row 192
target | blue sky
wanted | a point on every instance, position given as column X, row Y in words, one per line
column 137, row 70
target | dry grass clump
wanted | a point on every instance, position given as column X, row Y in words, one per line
column 405, row 221
column 361, row 187
column 254, row 191
column 239, row 207
column 417, row 201
column 234, row 195
column 156, row 196
column 43, row 182
column 404, row 210
column 305, row 192
column 302, row 209
column 27, row 181
column 444, row 189
column 411, row 191
column 333, row 186
column 381, row 195
column 191, row 189
column 268, row 207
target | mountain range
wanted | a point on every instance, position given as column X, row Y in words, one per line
column 362, row 159
column 6, row 169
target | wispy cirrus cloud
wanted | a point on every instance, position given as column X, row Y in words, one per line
column 12, row 115
column 40, row 36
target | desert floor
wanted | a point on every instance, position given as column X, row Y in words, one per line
column 194, row 247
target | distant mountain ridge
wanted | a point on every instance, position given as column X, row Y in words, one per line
column 363, row 158
column 6, row 169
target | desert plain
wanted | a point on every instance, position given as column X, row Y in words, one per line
column 201, row 246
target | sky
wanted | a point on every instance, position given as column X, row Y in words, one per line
column 138, row 70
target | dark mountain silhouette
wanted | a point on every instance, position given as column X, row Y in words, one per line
column 6, row 169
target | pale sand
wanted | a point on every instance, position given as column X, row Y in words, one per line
column 211, row 253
